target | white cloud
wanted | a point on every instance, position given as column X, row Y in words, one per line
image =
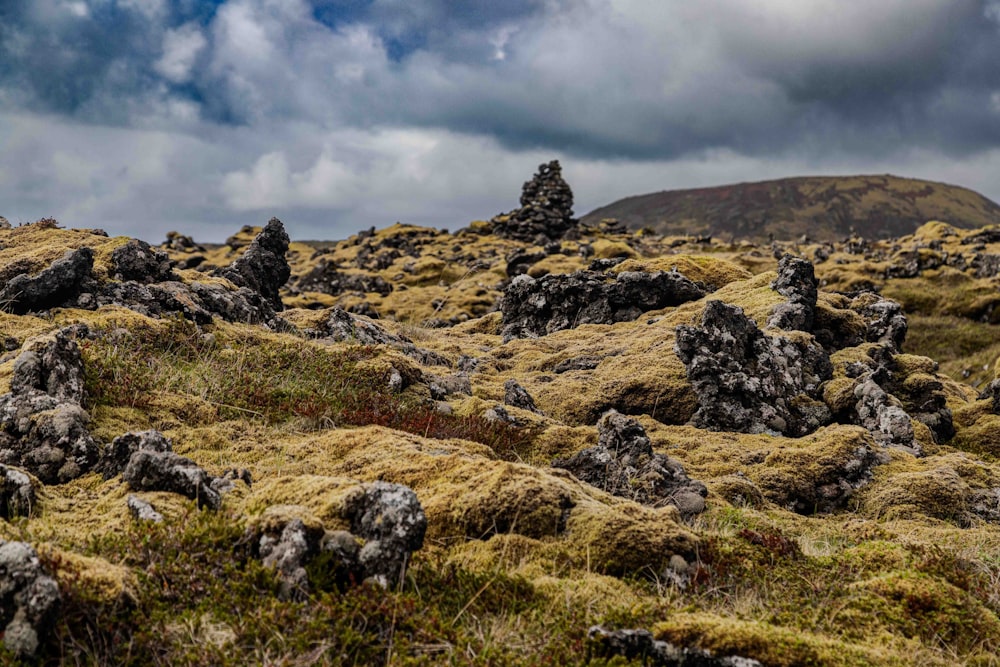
column 181, row 48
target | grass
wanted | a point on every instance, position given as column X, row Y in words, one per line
column 241, row 373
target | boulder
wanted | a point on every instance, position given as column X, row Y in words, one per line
column 796, row 281
column 635, row 645
column 263, row 267
column 138, row 261
column 43, row 427
column 750, row 382
column 17, row 493
column 533, row 308
column 149, row 470
column 624, row 464
column 518, row 397
column 29, row 599
column 117, row 455
column 142, row 511
column 53, row 287
column 391, row 520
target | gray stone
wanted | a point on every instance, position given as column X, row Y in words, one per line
column 796, row 281
column 166, row 471
column 142, row 510
column 632, row 645
column 29, row 599
column 391, row 520
column 17, row 493
column 750, row 382
column 53, row 287
column 624, row 464
column 138, row 261
column 546, row 212
column 518, row 397
column 119, row 452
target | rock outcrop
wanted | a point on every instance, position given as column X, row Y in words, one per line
column 43, row 427
column 533, row 308
column 29, row 599
column 750, row 382
column 624, row 464
column 546, row 211
column 149, row 470
column 52, row 287
column 263, row 267
column 391, row 520
column 17, row 493
column 138, row 261
column 796, row 281
column 641, row 645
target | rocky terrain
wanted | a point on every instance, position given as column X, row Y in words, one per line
column 825, row 208
column 530, row 441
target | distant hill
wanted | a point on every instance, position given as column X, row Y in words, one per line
column 824, row 207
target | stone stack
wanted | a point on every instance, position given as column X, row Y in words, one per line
column 546, row 209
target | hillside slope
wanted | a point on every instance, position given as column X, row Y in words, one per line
column 826, row 208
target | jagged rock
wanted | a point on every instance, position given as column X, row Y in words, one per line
column 546, row 208
column 138, row 261
column 583, row 363
column 289, row 555
column 334, row 557
column 166, row 471
column 520, row 260
column 263, row 267
column 342, row 326
column 17, row 493
column 326, row 279
column 117, row 455
column 498, row 415
column 227, row 482
column 640, row 645
column 178, row 241
column 518, row 397
column 986, row 236
column 797, row 281
column 986, row 266
column 391, row 520
column 624, row 464
column 887, row 421
column 142, row 511
column 533, row 308
column 53, row 287
column 992, row 392
column 43, row 428
column 886, row 321
column 29, row 599
column 749, row 382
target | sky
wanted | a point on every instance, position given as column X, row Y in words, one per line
column 200, row 116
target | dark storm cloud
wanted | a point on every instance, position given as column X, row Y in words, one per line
column 366, row 110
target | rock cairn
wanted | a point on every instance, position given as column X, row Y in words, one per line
column 546, row 209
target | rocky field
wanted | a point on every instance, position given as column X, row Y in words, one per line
column 528, row 441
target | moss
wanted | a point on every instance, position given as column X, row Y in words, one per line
column 939, row 492
column 774, row 646
column 699, row 268
column 608, row 249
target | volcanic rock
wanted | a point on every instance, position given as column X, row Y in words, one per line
column 533, row 308
column 29, row 599
column 138, row 261
column 749, row 382
column 797, row 281
column 263, row 267
column 546, row 209
column 17, row 493
column 54, row 286
column 149, row 470
column 635, row 645
column 624, row 464
column 390, row 519
column 117, row 455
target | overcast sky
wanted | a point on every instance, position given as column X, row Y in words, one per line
column 143, row 116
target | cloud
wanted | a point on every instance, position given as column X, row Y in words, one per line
column 151, row 114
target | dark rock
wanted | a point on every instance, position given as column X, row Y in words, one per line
column 992, row 392
column 178, row 241
column 989, row 235
column 986, row 266
column 326, row 279
column 749, row 382
column 498, row 414
column 584, row 363
column 520, row 260
column 796, row 281
column 29, row 599
column 149, row 470
column 886, row 322
column 17, row 493
column 342, row 326
column 53, row 287
column 263, row 267
column 604, row 263
column 138, row 261
column 142, row 511
column 518, row 397
column 533, row 308
column 640, row 645
column 289, row 554
column 119, row 452
column 546, row 209
column 391, row 520
column 624, row 464
column 43, row 428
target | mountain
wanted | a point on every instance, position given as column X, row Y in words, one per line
column 824, row 207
